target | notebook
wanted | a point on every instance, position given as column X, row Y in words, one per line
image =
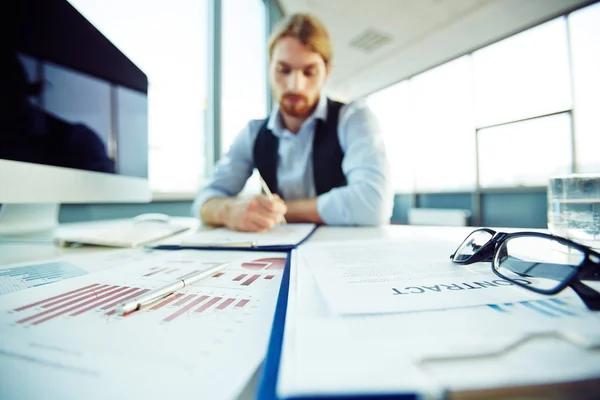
column 280, row 238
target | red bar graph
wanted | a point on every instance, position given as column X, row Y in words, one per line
column 184, row 300
column 37, row 303
column 218, row 275
column 207, row 305
column 117, row 297
column 276, row 263
column 95, row 290
column 50, row 310
column 104, row 298
column 249, row 281
column 156, row 271
column 242, row 303
column 185, row 309
column 224, row 304
column 114, row 303
column 171, row 271
column 61, row 310
column 269, row 276
column 169, row 299
column 257, row 266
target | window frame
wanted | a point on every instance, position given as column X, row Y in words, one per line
column 212, row 118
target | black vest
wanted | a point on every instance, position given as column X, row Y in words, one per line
column 327, row 153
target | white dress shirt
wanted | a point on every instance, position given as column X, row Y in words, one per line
column 366, row 200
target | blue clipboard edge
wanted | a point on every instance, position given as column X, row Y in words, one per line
column 282, row 248
column 267, row 389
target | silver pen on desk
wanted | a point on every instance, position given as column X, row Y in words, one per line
column 163, row 291
column 268, row 193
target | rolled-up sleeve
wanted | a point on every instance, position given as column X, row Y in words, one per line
column 231, row 171
column 368, row 197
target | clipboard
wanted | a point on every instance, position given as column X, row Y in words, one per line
column 267, row 388
column 270, row 372
column 239, row 246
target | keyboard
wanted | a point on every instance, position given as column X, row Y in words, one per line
column 122, row 234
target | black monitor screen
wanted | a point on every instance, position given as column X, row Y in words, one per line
column 69, row 97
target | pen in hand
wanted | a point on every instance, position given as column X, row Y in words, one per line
column 269, row 195
column 162, row 292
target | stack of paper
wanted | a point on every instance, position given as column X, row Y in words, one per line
column 344, row 334
column 65, row 340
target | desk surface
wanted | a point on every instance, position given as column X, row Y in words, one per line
column 27, row 250
column 24, row 249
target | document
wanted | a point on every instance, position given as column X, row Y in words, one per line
column 386, row 276
column 205, row 340
column 25, row 275
column 431, row 353
column 284, row 236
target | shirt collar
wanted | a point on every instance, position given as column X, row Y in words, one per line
column 275, row 124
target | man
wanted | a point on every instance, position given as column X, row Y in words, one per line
column 326, row 161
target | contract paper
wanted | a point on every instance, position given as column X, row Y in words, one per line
column 205, row 341
column 499, row 345
column 388, row 275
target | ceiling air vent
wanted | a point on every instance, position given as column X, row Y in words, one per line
column 370, row 40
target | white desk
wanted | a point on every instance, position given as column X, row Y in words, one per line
column 33, row 248
column 13, row 252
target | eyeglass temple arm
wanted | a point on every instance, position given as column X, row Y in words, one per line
column 590, row 297
column 589, row 272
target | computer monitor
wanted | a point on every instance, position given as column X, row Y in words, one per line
column 73, row 116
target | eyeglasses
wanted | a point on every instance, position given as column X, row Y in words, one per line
column 536, row 261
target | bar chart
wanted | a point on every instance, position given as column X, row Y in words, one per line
column 72, row 327
column 103, row 298
column 170, row 272
column 551, row 308
column 24, row 277
column 272, row 263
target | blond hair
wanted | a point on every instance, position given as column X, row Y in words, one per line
column 308, row 30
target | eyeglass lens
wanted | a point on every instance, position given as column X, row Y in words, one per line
column 472, row 244
column 543, row 263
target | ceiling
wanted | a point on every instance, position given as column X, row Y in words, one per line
column 411, row 36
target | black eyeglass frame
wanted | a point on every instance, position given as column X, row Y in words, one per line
column 588, row 269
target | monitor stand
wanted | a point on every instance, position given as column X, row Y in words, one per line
column 28, row 219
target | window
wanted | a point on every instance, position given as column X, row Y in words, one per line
column 244, row 67
column 442, row 108
column 527, row 100
column 427, row 122
column 525, row 153
column 523, row 76
column 391, row 106
column 584, row 29
column 166, row 40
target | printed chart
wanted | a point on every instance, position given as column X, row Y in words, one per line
column 24, row 277
column 265, row 264
column 551, row 308
column 72, row 325
column 104, row 298
column 234, row 289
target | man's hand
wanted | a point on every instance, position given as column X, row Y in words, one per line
column 257, row 214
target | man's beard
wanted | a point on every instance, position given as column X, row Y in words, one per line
column 296, row 105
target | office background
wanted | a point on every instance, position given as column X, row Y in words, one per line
column 482, row 131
